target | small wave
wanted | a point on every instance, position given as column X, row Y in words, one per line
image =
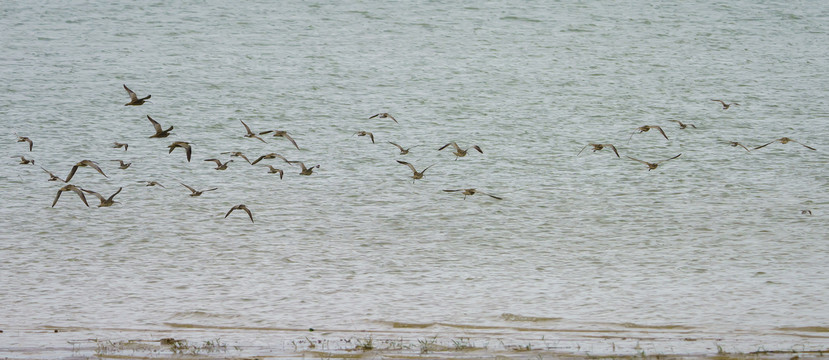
column 514, row 317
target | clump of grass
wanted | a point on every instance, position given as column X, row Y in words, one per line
column 210, row 346
column 462, row 344
column 427, row 345
column 366, row 344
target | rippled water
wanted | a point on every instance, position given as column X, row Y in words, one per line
column 710, row 246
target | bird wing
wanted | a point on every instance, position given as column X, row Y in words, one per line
column 392, row 117
column 247, row 128
column 71, row 174
column 231, row 210
column 398, row 146
column 249, row 213
column 409, row 165
column 133, row 97
column 78, row 191
column 806, row 146
column 660, row 130
column 57, row 197
column 260, row 139
column 670, row 159
column 453, row 190
column 156, row 125
column 373, row 116
column 94, row 166
column 218, row 162
column 30, row 143
column 427, row 168
column 97, row 195
column 189, row 188
column 476, row 147
column 370, row 135
column 766, row 144
column 614, row 149
column 451, row 143
column 291, row 140
column 743, row 146
column 490, row 195
column 116, row 193
column 188, row 150
column 244, row 157
column 635, row 159
column 266, row 132
column 582, row 149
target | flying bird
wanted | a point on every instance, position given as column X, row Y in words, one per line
column 134, row 100
column 182, row 144
column 250, row 134
column 402, row 150
column 281, row 133
column 646, row 128
column 240, row 207
column 305, row 170
column 24, row 139
column 122, row 165
column 460, row 152
column 652, row 166
column 724, row 105
column 219, row 165
column 52, row 177
column 25, row 161
column 364, row 133
column 415, row 174
column 105, row 202
column 470, row 192
column 159, row 133
column 70, row 187
column 152, row 183
column 273, row 170
column 194, row 192
column 118, row 145
column 597, row 147
column 683, row 125
column 383, row 116
column 785, row 140
column 84, row 163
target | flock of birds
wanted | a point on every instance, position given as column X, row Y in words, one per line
column 682, row 126
column 160, row 132
column 458, row 151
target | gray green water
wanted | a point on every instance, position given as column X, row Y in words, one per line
column 711, row 245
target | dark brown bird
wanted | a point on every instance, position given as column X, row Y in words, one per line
column 240, row 207
column 402, row 150
column 597, row 147
column 105, row 202
column 219, row 165
column 383, row 116
column 735, row 144
column 118, row 145
column 194, row 192
column 646, row 128
column 270, row 156
column 153, row 183
column 273, row 170
column 470, row 192
column 25, row 161
column 415, row 174
column 724, row 105
column 460, row 152
column 652, row 166
column 806, row 212
column 785, row 140
column 237, row 154
column 53, row 177
column 250, row 134
column 84, row 163
column 182, row 144
column 134, row 100
column 305, row 170
column 281, row 133
column 122, row 165
column 70, row 187
column 683, row 125
column 364, row 133
column 159, row 133
column 24, row 139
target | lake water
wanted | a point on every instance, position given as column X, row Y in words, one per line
column 587, row 254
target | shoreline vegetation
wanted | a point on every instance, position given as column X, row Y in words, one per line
column 410, row 341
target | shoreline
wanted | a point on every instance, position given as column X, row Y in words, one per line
column 404, row 341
